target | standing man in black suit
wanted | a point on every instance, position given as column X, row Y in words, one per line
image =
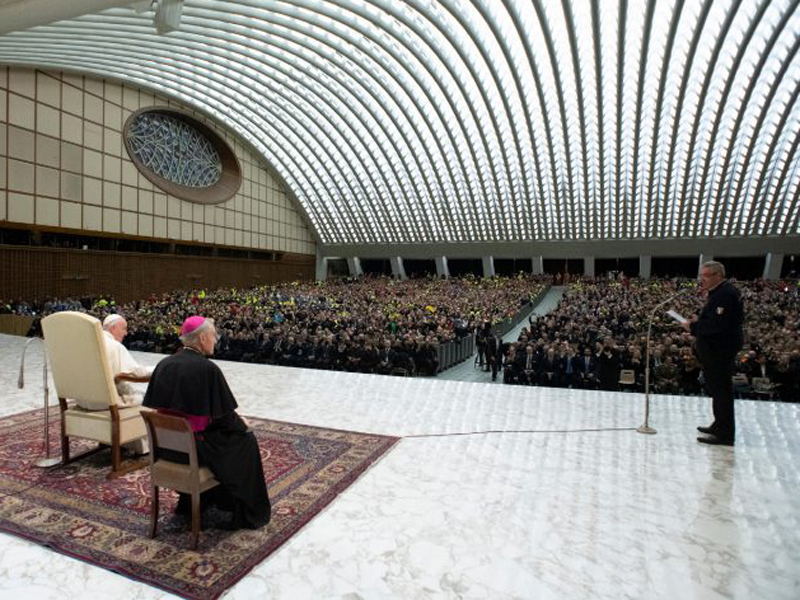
column 492, row 350
column 718, row 331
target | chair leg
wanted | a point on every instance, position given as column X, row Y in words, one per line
column 130, row 465
column 64, row 449
column 153, row 510
column 195, row 519
column 116, row 450
column 62, row 403
column 116, row 458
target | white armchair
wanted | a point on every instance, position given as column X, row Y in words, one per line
column 81, row 373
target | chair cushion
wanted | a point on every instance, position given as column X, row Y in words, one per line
column 96, row 424
column 178, row 477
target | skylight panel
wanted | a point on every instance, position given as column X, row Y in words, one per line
column 482, row 120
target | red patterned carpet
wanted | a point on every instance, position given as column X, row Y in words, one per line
column 76, row 511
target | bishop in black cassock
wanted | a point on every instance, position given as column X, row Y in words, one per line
column 190, row 385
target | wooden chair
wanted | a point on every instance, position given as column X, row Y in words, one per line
column 627, row 377
column 741, row 385
column 77, row 353
column 763, row 388
column 173, row 433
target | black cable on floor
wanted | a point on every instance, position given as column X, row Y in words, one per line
column 488, row 431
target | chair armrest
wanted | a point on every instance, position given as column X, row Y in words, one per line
column 130, row 377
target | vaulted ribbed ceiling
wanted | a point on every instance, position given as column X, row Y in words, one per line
column 489, row 120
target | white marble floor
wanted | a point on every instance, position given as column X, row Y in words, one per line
column 552, row 513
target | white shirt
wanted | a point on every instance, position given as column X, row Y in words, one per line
column 121, row 361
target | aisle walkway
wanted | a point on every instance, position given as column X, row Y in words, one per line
column 467, row 371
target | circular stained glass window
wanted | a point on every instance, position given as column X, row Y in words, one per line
column 175, row 150
column 181, row 155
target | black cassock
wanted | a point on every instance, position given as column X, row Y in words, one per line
column 189, row 383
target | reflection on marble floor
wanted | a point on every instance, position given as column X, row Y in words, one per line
column 556, row 514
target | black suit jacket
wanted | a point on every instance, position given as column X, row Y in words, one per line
column 718, row 328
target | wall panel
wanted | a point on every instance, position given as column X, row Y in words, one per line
column 39, row 273
column 71, row 125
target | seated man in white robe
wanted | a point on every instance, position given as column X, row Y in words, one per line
column 115, row 328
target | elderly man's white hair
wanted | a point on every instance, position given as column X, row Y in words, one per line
column 715, row 267
column 111, row 320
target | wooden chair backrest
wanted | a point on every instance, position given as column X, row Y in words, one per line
column 170, row 432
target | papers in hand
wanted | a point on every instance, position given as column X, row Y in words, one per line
column 678, row 317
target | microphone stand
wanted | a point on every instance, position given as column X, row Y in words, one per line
column 645, row 427
column 47, row 461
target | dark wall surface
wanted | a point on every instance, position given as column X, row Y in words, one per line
column 39, row 273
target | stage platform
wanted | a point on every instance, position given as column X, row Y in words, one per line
column 552, row 508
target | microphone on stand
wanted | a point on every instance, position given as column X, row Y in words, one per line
column 645, row 427
column 21, row 379
column 47, row 461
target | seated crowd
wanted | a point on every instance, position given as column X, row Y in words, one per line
column 372, row 325
column 596, row 339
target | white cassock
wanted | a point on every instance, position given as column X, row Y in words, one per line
column 121, row 361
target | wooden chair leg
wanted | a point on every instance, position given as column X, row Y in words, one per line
column 153, row 510
column 64, row 449
column 116, row 450
column 64, row 439
column 116, row 458
column 195, row 520
column 130, row 465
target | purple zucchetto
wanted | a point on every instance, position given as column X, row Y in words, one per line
column 191, row 323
